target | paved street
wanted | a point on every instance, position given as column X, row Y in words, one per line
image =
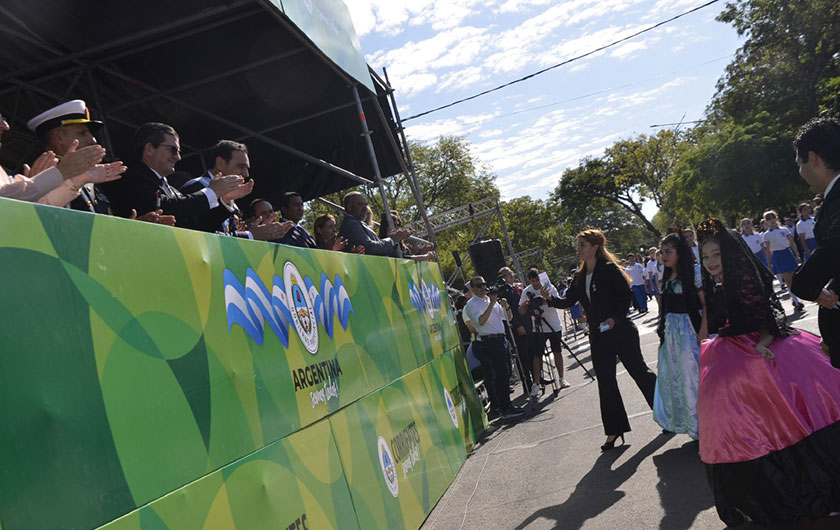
column 547, row 471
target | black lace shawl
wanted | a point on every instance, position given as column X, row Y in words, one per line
column 745, row 301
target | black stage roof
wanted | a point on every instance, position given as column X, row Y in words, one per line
column 213, row 70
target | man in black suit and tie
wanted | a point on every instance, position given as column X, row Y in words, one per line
column 291, row 209
column 144, row 188
column 357, row 233
column 817, row 148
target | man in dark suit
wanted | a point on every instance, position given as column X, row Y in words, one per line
column 144, row 188
column 817, row 148
column 291, row 209
column 357, row 233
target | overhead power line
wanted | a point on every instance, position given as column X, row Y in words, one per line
column 567, row 61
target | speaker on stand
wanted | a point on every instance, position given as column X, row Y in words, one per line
column 487, row 258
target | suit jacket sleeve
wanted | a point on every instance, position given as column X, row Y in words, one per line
column 137, row 189
column 824, row 263
column 355, row 234
column 571, row 298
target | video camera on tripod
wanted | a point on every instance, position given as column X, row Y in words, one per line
column 535, row 303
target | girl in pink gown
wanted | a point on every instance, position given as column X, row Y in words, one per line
column 769, row 399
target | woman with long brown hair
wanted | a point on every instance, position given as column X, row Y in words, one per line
column 603, row 290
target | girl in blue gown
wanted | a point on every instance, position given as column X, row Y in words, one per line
column 681, row 319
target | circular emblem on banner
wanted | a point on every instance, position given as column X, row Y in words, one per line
column 389, row 469
column 301, row 308
column 451, row 406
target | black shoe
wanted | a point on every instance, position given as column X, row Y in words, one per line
column 544, row 382
column 511, row 390
column 799, row 307
column 512, row 412
column 609, row 444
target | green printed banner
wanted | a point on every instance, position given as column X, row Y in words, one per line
column 296, row 483
column 393, row 455
column 138, row 358
column 451, row 401
column 473, row 415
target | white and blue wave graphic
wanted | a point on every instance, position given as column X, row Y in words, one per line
column 425, row 298
column 252, row 305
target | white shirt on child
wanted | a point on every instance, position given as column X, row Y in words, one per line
column 636, row 273
column 806, row 228
column 777, row 238
column 754, row 241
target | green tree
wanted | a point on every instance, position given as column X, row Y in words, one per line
column 648, row 162
column 794, row 41
column 600, row 179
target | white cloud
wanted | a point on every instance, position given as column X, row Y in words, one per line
column 390, row 17
column 626, row 50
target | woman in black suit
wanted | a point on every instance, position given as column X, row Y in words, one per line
column 604, row 292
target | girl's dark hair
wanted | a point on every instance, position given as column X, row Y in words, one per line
column 685, row 274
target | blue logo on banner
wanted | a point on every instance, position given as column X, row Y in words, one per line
column 425, row 298
column 300, row 306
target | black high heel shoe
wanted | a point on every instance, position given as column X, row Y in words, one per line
column 611, row 443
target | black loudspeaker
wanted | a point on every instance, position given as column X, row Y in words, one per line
column 487, row 258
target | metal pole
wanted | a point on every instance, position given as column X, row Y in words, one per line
column 412, row 183
column 509, row 244
column 410, row 173
column 376, row 175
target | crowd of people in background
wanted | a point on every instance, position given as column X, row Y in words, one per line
column 761, row 397
column 70, row 174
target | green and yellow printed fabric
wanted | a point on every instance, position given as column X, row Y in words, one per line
column 394, row 456
column 138, row 358
column 294, row 484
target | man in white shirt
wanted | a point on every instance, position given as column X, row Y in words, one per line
column 487, row 317
column 636, row 273
column 547, row 324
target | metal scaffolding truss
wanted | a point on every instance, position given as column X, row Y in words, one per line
column 488, row 207
column 536, row 252
column 458, row 216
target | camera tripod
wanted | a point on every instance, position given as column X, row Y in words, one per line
column 537, row 315
column 514, row 350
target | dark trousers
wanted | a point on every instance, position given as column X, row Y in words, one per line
column 621, row 342
column 524, row 346
column 494, row 355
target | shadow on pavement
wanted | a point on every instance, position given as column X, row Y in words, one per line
column 598, row 490
column 683, row 489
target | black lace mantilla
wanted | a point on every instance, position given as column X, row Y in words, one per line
column 745, row 301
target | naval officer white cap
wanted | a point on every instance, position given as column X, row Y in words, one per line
column 69, row 113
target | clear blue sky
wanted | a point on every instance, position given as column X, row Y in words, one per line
column 437, row 51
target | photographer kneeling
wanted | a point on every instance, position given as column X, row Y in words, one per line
column 547, row 325
column 488, row 318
